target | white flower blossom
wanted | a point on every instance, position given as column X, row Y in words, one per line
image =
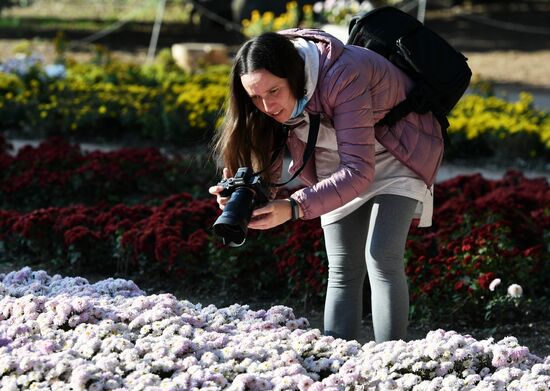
column 60, row 333
column 515, row 291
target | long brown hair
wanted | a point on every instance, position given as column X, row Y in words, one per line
column 247, row 136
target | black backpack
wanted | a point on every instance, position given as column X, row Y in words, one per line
column 440, row 72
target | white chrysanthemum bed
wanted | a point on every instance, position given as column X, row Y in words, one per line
column 63, row 333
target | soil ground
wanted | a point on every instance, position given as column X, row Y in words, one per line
column 506, row 44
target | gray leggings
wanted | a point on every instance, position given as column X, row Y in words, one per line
column 371, row 238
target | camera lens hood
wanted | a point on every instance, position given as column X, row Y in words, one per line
column 232, row 234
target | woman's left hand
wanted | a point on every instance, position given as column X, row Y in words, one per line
column 271, row 215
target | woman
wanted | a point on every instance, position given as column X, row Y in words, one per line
column 366, row 183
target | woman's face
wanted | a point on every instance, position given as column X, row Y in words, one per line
column 270, row 94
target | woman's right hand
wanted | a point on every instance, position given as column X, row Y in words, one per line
column 215, row 190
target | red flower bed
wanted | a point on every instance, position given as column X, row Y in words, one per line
column 482, row 230
column 57, row 173
column 172, row 234
column 302, row 258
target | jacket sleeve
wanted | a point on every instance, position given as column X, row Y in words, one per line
column 345, row 97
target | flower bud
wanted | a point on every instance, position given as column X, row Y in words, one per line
column 494, row 284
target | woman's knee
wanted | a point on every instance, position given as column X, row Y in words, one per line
column 385, row 262
column 348, row 275
column 386, row 257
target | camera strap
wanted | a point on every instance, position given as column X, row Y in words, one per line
column 314, row 123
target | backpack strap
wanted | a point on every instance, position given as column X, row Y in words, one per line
column 416, row 101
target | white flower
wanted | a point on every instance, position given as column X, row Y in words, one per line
column 55, row 71
column 114, row 329
column 496, row 282
column 515, row 291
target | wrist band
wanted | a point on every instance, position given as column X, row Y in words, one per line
column 295, row 209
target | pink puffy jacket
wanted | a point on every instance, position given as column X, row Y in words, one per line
column 355, row 88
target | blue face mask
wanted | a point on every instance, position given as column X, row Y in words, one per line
column 299, row 107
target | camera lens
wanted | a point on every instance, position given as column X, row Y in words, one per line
column 232, row 224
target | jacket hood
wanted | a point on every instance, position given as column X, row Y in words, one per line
column 330, row 47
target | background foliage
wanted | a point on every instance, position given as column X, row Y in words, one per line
column 163, row 105
column 112, row 101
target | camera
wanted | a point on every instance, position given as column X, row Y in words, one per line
column 246, row 191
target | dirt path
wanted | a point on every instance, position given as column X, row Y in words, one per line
column 529, row 69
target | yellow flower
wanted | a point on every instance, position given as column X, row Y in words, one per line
column 102, row 109
column 255, row 16
column 268, row 17
column 278, row 24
